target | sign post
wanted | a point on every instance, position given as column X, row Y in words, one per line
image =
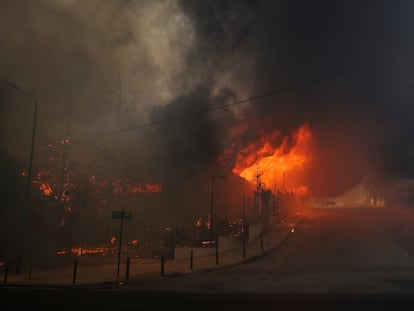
column 120, row 215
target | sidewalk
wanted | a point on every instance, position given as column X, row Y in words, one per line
column 141, row 270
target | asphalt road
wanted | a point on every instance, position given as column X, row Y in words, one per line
column 337, row 259
column 333, row 251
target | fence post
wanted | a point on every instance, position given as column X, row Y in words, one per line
column 162, row 265
column 127, row 269
column 6, row 272
column 191, row 260
column 75, row 268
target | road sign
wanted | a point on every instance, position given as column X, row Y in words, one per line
column 122, row 215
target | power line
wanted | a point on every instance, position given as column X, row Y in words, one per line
column 211, row 109
column 365, row 67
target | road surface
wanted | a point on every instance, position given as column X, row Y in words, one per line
column 345, row 251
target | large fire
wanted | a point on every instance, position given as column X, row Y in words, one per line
column 277, row 167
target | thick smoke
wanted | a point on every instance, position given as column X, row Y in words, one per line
column 351, row 63
column 138, row 85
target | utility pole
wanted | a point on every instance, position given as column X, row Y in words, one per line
column 212, row 222
column 120, row 101
column 244, row 206
column 258, row 186
column 212, row 216
column 28, row 202
column 64, row 168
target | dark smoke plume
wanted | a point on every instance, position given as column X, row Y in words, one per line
column 351, row 61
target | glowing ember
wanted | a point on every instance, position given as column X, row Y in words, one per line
column 62, row 252
column 116, row 184
column 122, row 184
column 199, row 222
column 46, row 189
column 99, row 250
column 144, row 188
column 279, row 167
column 79, row 251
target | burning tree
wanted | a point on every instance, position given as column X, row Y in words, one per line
column 69, row 194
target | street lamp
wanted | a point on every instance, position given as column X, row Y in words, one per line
column 212, row 220
column 29, row 176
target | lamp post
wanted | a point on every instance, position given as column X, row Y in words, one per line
column 212, row 220
column 29, row 177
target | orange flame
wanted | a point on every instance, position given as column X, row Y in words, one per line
column 113, row 239
column 199, row 222
column 46, row 189
column 281, row 167
column 144, row 188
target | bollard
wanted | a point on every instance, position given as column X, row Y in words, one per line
column 162, row 265
column 75, row 268
column 30, row 267
column 6, row 272
column 127, row 269
column 191, row 260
